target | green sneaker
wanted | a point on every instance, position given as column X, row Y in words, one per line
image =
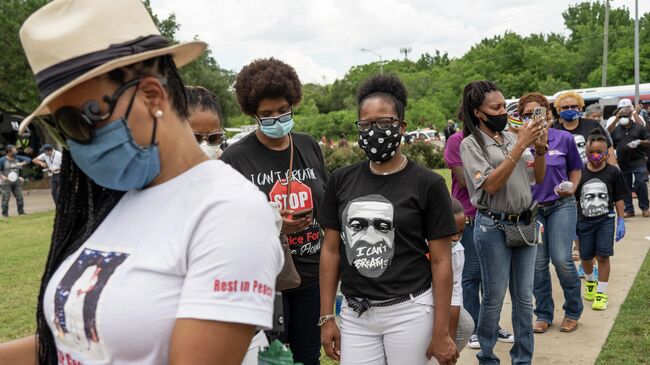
column 590, row 290
column 600, row 303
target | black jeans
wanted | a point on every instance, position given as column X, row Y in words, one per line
column 301, row 310
column 15, row 188
column 54, row 184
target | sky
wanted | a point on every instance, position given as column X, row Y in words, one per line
column 322, row 39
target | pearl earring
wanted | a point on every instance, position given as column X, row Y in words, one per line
column 158, row 113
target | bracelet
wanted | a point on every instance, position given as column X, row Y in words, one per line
column 325, row 318
column 545, row 151
column 511, row 159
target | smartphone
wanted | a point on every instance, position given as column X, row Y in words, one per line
column 301, row 214
column 540, row 114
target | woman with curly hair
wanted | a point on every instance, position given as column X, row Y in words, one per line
column 381, row 217
column 288, row 168
column 557, row 212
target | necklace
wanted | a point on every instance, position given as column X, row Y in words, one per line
column 398, row 169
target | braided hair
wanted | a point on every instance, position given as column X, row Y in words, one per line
column 200, row 98
column 83, row 205
column 473, row 97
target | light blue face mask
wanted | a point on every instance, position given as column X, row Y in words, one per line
column 278, row 129
column 113, row 159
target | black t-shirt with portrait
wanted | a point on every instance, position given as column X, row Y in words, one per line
column 599, row 190
column 630, row 158
column 268, row 170
column 385, row 222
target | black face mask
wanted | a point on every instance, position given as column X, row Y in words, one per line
column 496, row 123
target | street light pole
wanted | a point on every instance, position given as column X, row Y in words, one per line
column 381, row 61
column 636, row 53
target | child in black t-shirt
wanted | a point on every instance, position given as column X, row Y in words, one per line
column 601, row 189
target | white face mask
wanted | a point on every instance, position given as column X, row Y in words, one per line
column 624, row 121
column 214, row 152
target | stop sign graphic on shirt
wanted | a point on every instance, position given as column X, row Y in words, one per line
column 300, row 199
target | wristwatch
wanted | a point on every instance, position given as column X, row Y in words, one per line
column 545, row 151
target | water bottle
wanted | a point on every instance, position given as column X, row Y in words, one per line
column 530, row 165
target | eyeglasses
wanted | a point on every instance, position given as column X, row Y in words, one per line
column 567, row 107
column 78, row 125
column 214, row 138
column 269, row 121
column 381, row 225
column 381, row 123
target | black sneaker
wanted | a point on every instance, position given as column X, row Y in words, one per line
column 505, row 336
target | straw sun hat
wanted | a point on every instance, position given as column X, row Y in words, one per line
column 68, row 42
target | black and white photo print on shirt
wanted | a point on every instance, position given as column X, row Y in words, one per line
column 594, row 199
column 581, row 143
column 369, row 234
column 76, row 299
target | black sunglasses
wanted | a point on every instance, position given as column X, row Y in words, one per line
column 214, row 138
column 78, row 125
column 269, row 121
column 381, row 123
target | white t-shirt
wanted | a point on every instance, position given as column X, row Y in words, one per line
column 457, row 263
column 53, row 162
column 203, row 245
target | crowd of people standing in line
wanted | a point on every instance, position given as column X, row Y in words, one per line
column 162, row 236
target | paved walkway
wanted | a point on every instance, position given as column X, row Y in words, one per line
column 553, row 347
column 583, row 346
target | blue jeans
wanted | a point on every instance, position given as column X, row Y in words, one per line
column 636, row 181
column 559, row 222
column 503, row 267
column 471, row 275
column 596, row 236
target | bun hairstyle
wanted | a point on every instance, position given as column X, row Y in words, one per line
column 596, row 135
column 388, row 87
column 456, row 206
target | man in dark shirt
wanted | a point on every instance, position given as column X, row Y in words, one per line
column 10, row 180
column 630, row 140
column 449, row 130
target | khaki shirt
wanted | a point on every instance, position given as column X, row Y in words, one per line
column 515, row 196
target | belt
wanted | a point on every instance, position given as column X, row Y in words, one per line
column 361, row 305
column 548, row 203
column 501, row 216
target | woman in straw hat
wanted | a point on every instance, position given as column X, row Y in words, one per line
column 148, row 265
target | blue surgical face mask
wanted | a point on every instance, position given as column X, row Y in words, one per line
column 113, row 159
column 569, row 115
column 278, row 129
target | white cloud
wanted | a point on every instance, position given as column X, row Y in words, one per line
column 323, row 39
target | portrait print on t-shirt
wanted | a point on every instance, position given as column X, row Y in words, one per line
column 581, row 144
column 76, row 299
column 594, row 198
column 369, row 234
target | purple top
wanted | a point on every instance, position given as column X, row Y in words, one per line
column 562, row 157
column 452, row 159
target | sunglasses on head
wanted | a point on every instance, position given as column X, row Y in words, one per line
column 269, row 121
column 213, row 138
column 567, row 107
column 79, row 125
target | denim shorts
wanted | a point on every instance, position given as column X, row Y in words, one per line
column 596, row 236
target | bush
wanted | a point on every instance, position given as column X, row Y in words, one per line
column 427, row 155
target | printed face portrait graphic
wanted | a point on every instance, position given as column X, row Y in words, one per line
column 76, row 299
column 581, row 143
column 594, row 199
column 369, row 234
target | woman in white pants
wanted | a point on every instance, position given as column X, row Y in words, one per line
column 381, row 217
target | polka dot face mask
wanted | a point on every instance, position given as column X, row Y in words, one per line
column 380, row 145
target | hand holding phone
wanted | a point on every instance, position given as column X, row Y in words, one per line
column 301, row 214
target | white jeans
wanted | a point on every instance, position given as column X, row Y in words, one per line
column 258, row 343
column 395, row 335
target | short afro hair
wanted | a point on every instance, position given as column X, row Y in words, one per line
column 532, row 98
column 389, row 87
column 267, row 78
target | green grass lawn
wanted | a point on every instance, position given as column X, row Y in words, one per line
column 24, row 244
